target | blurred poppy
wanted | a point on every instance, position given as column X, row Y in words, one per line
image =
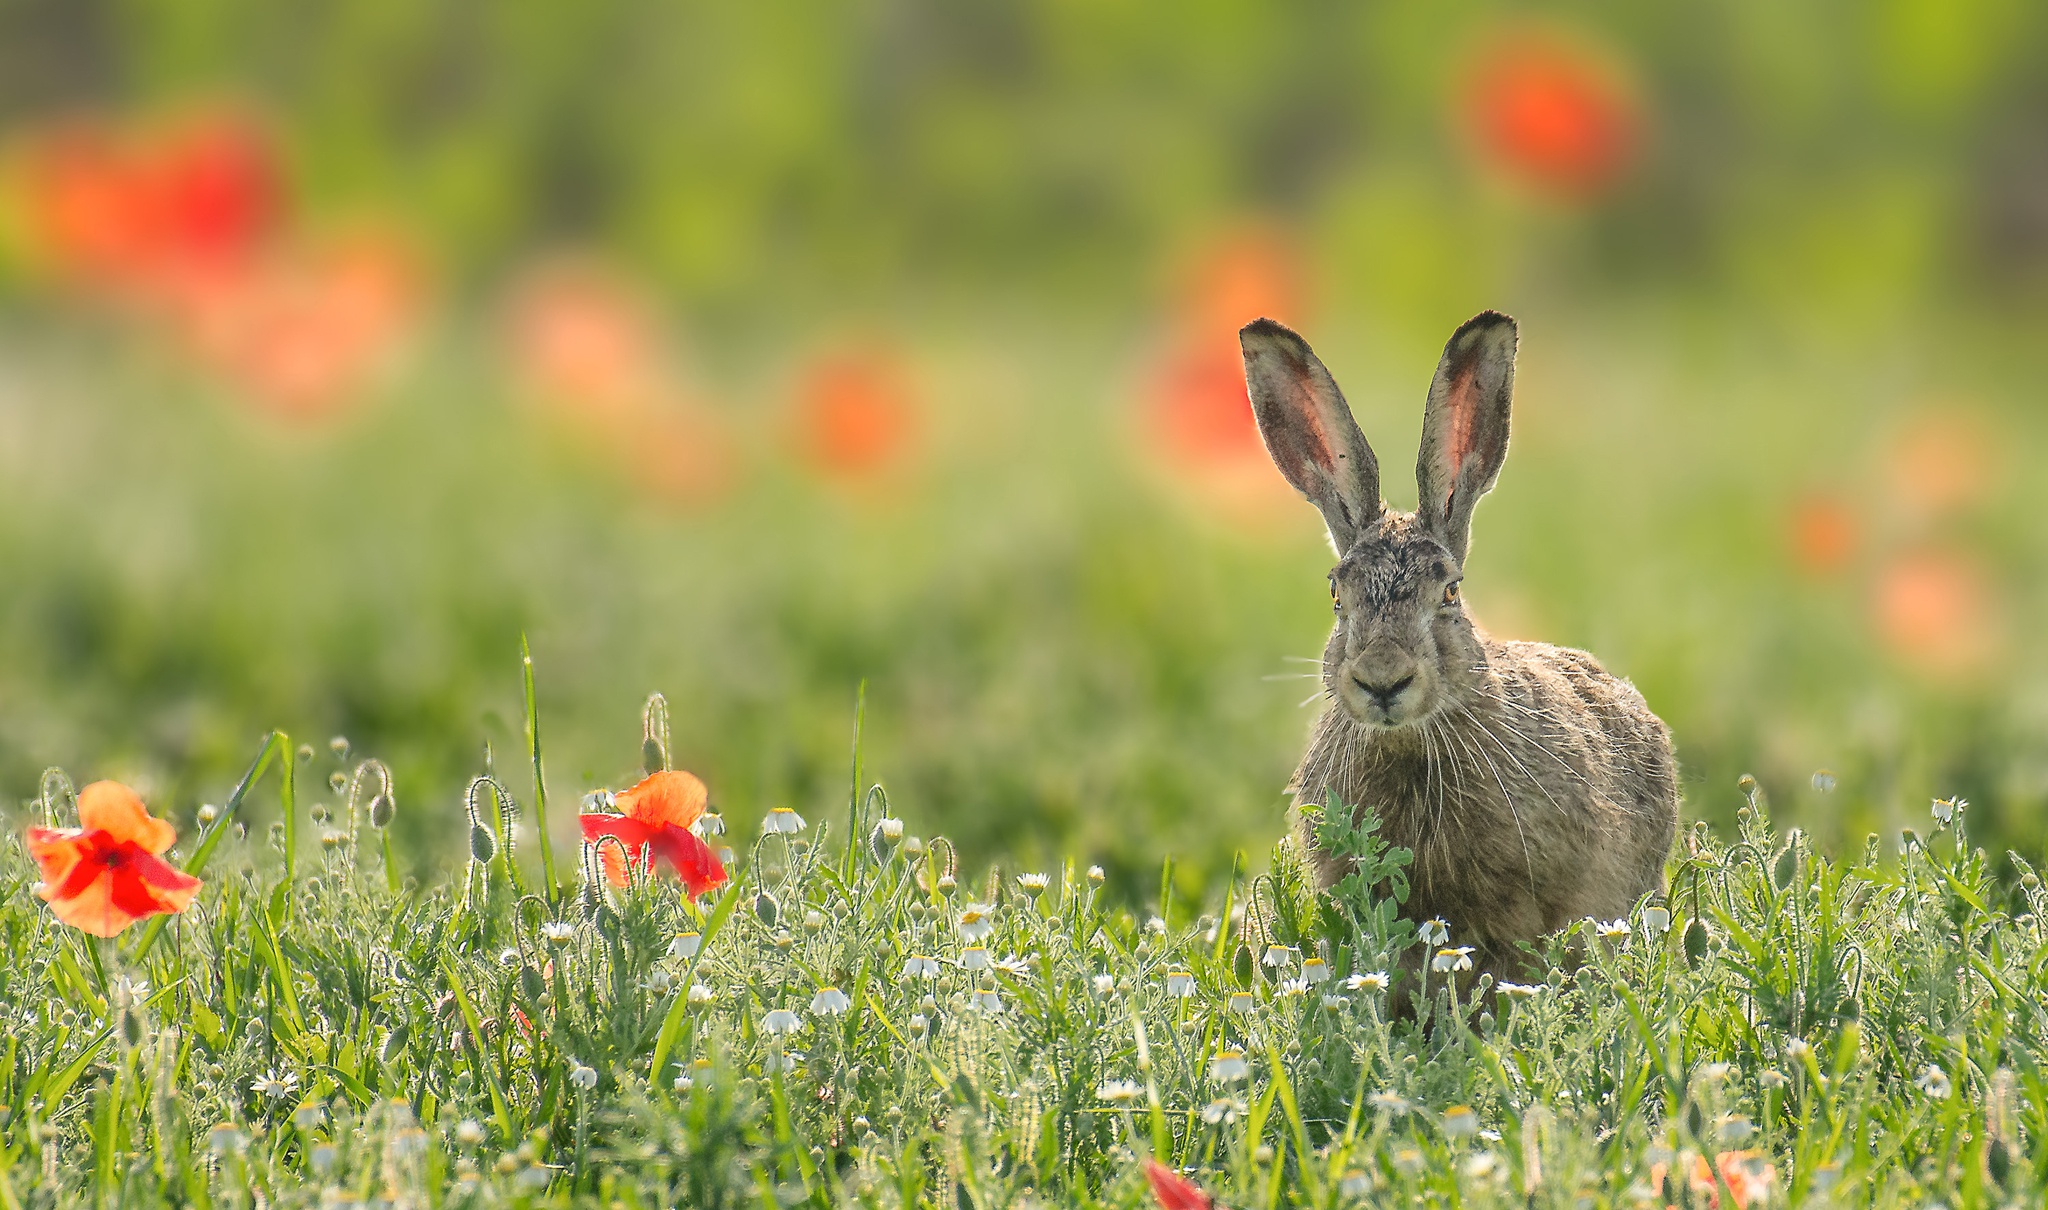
column 216, row 187
column 1941, row 461
column 856, row 412
column 655, row 818
column 1823, row 534
column 681, row 455
column 137, row 213
column 1173, row 1191
column 1553, row 112
column 1200, row 410
column 1750, row 1178
column 304, row 331
column 105, row 874
column 1934, row 610
column 583, row 338
column 1242, row 274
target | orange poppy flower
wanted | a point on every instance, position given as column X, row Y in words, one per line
column 1173, row 1191
column 655, row 822
column 857, row 412
column 105, row 875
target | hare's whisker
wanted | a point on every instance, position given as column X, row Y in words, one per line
column 1292, row 676
column 1528, row 862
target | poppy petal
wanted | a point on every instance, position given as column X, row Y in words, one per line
column 110, row 807
column 1172, row 1190
column 692, row 859
column 613, row 859
column 90, row 866
column 670, row 797
column 172, row 887
column 57, row 851
column 94, row 908
column 631, row 832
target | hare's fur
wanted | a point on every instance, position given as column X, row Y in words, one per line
column 1534, row 788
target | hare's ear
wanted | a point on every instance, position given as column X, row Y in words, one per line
column 1465, row 427
column 1309, row 430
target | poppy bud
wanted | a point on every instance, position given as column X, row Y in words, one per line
column 482, row 845
column 132, row 1029
column 1241, row 965
column 766, row 909
column 531, row 984
column 394, row 1043
column 382, row 808
column 1695, row 941
column 652, row 758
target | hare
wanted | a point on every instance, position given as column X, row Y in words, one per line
column 1534, row 788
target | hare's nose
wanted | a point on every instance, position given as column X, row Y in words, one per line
column 1383, row 694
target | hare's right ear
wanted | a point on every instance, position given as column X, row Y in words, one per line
column 1309, row 430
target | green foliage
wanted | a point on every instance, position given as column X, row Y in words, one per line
column 1864, row 1033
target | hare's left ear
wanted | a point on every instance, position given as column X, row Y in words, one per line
column 1465, row 427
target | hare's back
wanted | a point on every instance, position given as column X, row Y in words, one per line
column 1599, row 726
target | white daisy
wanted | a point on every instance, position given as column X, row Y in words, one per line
column 1180, row 984
column 1315, row 970
column 1435, row 931
column 1120, row 1091
column 830, row 1002
column 974, row 921
column 1229, row 1067
column 1456, row 958
column 782, row 1021
column 1372, row 981
column 975, row 958
column 783, row 821
column 920, row 966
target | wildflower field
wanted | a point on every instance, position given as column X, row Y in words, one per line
column 792, row 1019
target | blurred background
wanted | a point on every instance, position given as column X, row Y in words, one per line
column 745, row 352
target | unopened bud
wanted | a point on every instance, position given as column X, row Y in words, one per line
column 652, row 758
column 766, row 909
column 382, row 808
column 482, row 845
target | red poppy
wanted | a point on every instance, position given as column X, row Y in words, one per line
column 1173, row 1191
column 655, row 822
column 1749, row 1178
column 302, row 334
column 1936, row 610
column 584, row 339
column 141, row 214
column 105, row 875
column 1823, row 536
column 857, row 414
column 1553, row 113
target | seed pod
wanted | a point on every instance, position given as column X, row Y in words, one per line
column 1695, row 942
column 382, row 808
column 1241, row 965
column 482, row 845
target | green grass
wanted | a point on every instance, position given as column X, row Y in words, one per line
column 307, row 1034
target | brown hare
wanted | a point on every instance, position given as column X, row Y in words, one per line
column 1534, row 788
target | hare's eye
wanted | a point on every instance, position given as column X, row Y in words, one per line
column 1335, row 603
column 1451, row 593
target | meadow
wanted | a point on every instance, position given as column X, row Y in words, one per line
column 871, row 1024
column 842, row 403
